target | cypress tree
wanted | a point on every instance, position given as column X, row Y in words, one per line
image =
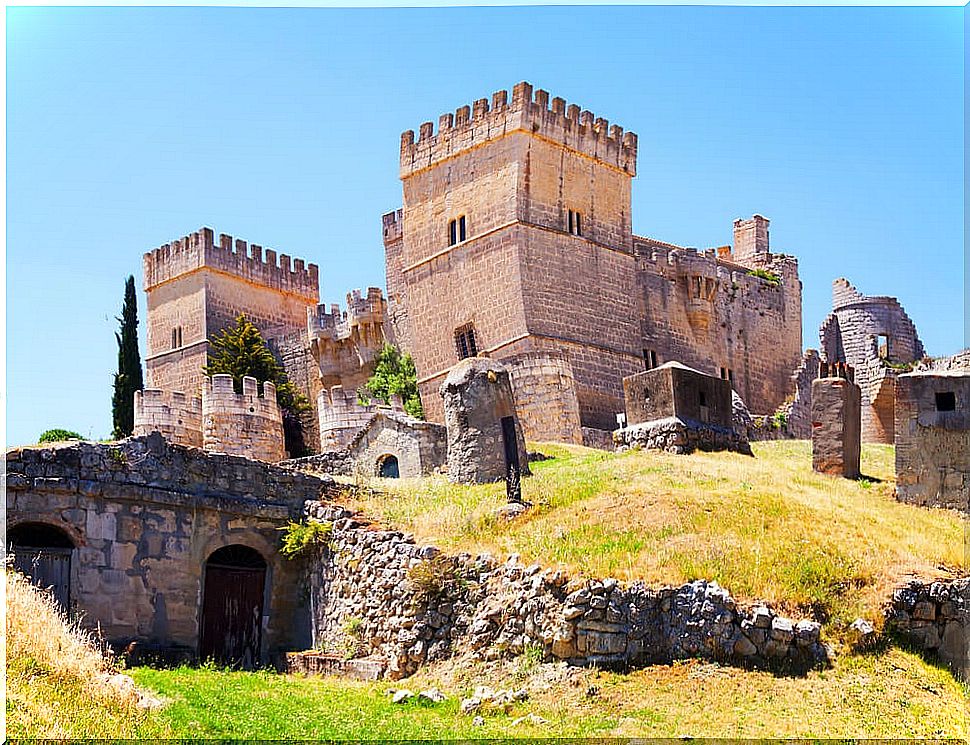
column 128, row 379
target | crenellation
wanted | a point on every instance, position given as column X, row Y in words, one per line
column 575, row 128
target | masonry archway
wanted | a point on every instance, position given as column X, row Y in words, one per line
column 42, row 552
column 230, row 626
column 388, row 467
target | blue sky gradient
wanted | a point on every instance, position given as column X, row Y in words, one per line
column 129, row 127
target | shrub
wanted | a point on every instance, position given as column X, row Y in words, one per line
column 58, row 435
column 433, row 579
column 764, row 274
column 394, row 374
column 303, row 536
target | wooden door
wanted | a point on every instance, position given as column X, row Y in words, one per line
column 232, row 613
column 47, row 568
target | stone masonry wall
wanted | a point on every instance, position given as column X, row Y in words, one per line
column 411, row 605
column 545, row 396
column 341, row 417
column 176, row 416
column 836, row 427
column 244, row 423
column 144, row 516
column 933, row 446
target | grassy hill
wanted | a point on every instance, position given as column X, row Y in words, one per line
column 766, row 527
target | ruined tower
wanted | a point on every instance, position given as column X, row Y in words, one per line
column 196, row 288
column 515, row 238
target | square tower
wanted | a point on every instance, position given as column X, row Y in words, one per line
column 515, row 237
column 195, row 288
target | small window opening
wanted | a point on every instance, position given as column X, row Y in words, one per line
column 457, row 231
column 176, row 337
column 883, row 346
column 465, row 343
column 946, row 401
column 649, row 359
column 703, row 398
column 723, row 373
column 575, row 222
column 697, row 287
column 731, row 375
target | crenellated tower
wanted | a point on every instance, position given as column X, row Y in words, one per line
column 514, row 236
column 196, row 287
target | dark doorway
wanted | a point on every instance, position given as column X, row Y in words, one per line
column 513, row 476
column 42, row 553
column 232, row 607
column 388, row 468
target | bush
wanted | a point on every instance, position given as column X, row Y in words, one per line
column 764, row 274
column 59, row 435
column 394, row 374
column 433, row 579
column 302, row 536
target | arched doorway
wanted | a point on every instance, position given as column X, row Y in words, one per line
column 42, row 552
column 232, row 607
column 388, row 467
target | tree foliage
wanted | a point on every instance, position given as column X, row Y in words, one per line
column 394, row 374
column 240, row 350
column 128, row 379
column 58, row 435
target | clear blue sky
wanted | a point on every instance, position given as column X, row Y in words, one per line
column 129, row 127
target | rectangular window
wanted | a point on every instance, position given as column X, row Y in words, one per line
column 723, row 373
column 175, row 339
column 574, row 222
column 883, row 346
column 457, row 231
column 731, row 375
column 649, row 359
column 465, row 344
column 946, row 401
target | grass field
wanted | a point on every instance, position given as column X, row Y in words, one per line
column 766, row 527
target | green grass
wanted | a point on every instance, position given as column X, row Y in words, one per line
column 766, row 527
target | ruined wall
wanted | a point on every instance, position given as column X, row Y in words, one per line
column 199, row 286
column 293, row 352
column 144, row 517
column 871, row 334
column 481, row 606
column 797, row 408
column 935, row 616
column 247, row 423
column 176, row 416
column 933, row 439
column 545, row 396
column 836, row 427
column 709, row 312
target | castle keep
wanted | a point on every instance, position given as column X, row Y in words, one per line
column 515, row 237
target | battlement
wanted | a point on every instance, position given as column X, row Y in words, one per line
column 362, row 311
column 342, row 416
column 244, row 423
column 177, row 416
column 393, row 223
column 481, row 122
column 232, row 256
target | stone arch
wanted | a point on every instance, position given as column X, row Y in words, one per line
column 43, row 552
column 388, row 466
column 234, row 596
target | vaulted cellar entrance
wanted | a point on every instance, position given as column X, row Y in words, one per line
column 388, row 467
column 232, row 607
column 43, row 553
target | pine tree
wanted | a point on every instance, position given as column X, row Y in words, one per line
column 394, row 374
column 240, row 351
column 128, row 379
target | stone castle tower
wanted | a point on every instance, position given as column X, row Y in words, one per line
column 196, row 288
column 515, row 240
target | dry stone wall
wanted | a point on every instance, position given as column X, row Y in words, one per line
column 411, row 605
column 935, row 616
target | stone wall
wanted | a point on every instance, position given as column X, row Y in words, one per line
column 797, row 409
column 293, row 353
column 176, row 416
column 419, row 447
column 411, row 605
column 247, row 423
column 680, row 437
column 933, row 440
column 545, row 396
column 341, row 417
column 836, row 427
column 144, row 516
column 935, row 616
column 673, row 390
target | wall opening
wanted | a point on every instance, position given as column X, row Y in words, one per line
column 513, row 472
column 946, row 401
column 388, row 467
column 230, row 627
column 465, row 342
column 42, row 553
column 882, row 346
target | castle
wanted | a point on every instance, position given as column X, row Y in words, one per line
column 514, row 240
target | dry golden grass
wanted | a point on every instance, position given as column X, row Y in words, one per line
column 766, row 527
column 55, row 674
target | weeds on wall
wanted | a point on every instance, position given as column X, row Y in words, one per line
column 304, row 536
column 434, row 579
column 764, row 274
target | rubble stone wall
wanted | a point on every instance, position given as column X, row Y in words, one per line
column 935, row 616
column 411, row 605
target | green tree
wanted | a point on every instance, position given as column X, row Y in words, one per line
column 128, row 379
column 58, row 435
column 394, row 373
column 240, row 350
